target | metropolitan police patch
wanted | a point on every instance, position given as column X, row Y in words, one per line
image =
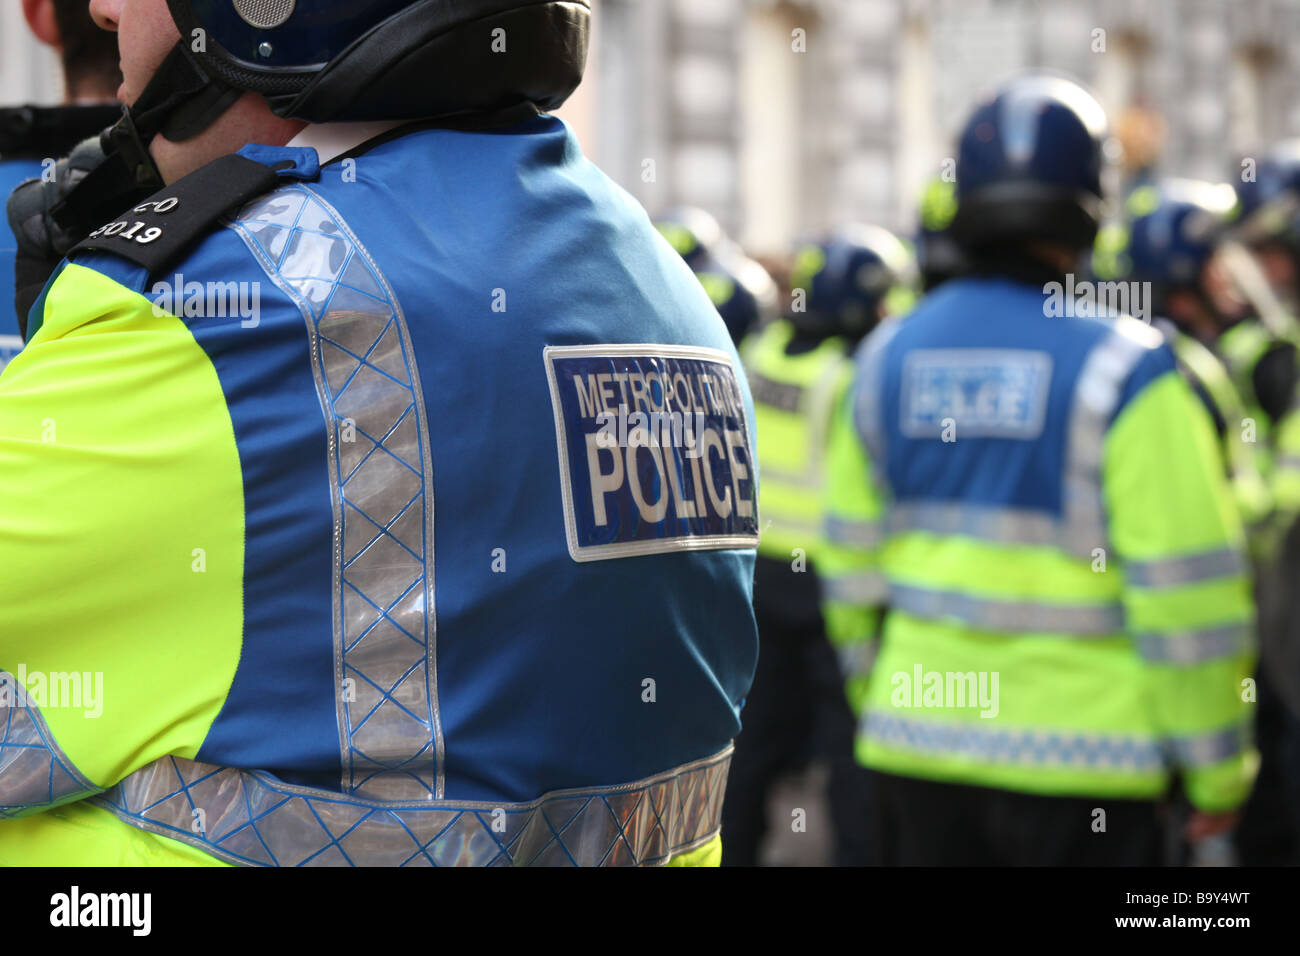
column 655, row 450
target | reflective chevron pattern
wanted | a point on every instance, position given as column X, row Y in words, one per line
column 253, row 819
column 390, row 734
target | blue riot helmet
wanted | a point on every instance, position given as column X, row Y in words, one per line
column 1029, row 166
column 741, row 290
column 735, row 302
column 1268, row 194
column 1173, row 231
column 694, row 233
column 842, row 285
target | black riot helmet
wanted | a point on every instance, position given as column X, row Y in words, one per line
column 337, row 60
column 1029, row 166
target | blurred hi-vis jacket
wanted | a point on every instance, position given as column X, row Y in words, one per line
column 794, row 396
column 1044, row 506
column 1210, row 378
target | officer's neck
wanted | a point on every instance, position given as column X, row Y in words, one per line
column 248, row 120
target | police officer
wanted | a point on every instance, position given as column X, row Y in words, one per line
column 1268, row 191
column 31, row 135
column 1263, row 354
column 1040, row 497
column 1259, row 344
column 320, row 459
column 798, row 368
column 1269, row 200
column 740, row 288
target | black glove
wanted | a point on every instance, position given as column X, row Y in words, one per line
column 42, row 243
column 1274, row 379
column 101, row 178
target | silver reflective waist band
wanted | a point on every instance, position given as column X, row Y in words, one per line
column 250, row 818
column 995, row 524
column 1059, row 748
column 35, row 773
column 989, row 614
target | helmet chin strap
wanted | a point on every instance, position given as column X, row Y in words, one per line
column 179, row 102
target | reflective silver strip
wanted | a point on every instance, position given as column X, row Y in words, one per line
column 810, row 530
column 858, row 534
column 253, row 819
column 1289, row 462
column 811, row 480
column 1096, row 398
column 983, row 522
column 989, row 614
column 1210, row 748
column 1023, row 746
column 35, row 773
column 866, row 587
column 782, row 396
column 390, row 731
column 1189, row 569
column 1196, row 647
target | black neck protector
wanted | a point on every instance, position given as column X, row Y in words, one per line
column 1014, row 262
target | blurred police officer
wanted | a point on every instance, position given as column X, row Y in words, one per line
column 1265, row 353
column 327, row 448
column 798, row 369
column 1068, row 611
column 1268, row 193
column 1259, row 340
column 1169, row 241
column 30, row 135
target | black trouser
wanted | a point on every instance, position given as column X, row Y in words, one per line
column 924, row 823
column 796, row 711
column 1269, row 834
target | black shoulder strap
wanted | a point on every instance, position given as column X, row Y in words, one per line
column 156, row 232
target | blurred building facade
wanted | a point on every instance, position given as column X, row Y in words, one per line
column 786, row 116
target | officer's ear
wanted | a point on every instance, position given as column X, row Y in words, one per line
column 40, row 18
